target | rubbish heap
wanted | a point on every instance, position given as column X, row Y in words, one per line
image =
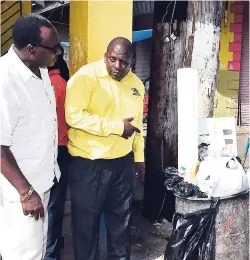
column 175, row 182
column 209, row 171
column 217, row 170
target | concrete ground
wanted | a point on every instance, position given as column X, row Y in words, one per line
column 147, row 242
column 242, row 136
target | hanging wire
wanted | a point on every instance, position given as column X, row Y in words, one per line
column 162, row 205
column 166, row 11
column 53, row 10
column 162, row 155
column 173, row 12
column 62, row 12
column 172, row 18
column 165, row 115
column 162, row 152
column 61, row 16
column 59, row 23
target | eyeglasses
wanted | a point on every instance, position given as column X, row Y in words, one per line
column 57, row 50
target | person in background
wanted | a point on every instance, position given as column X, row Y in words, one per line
column 63, row 67
column 28, row 138
column 55, row 242
column 104, row 109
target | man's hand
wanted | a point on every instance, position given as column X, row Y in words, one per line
column 11, row 171
column 129, row 129
column 33, row 206
column 140, row 170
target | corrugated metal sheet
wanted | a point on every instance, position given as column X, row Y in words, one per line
column 244, row 73
column 41, row 7
column 143, row 51
column 143, row 7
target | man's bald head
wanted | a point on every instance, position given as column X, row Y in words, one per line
column 119, row 57
column 121, row 42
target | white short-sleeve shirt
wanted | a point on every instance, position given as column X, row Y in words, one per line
column 28, row 123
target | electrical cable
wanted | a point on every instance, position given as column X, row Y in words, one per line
column 53, row 10
column 165, row 115
column 172, row 17
column 166, row 11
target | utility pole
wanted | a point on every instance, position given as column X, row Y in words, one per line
column 203, row 38
column 168, row 54
column 196, row 26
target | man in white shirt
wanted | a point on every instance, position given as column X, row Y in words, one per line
column 28, row 138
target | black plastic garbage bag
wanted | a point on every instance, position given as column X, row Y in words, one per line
column 183, row 189
column 171, row 181
column 174, row 182
column 193, row 236
column 198, row 193
column 170, row 170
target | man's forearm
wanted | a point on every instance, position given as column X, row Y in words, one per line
column 92, row 123
column 12, row 172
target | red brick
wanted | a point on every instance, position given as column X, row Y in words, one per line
column 238, row 18
column 238, row 37
column 237, row 56
column 236, row 27
column 234, row 65
column 237, row 8
column 234, row 46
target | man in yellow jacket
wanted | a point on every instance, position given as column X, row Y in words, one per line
column 104, row 109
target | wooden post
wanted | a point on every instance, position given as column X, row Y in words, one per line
column 162, row 129
column 202, row 53
column 197, row 46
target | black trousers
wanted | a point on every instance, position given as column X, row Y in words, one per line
column 101, row 186
column 56, row 207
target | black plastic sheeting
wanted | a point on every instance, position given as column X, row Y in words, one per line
column 180, row 188
column 193, row 236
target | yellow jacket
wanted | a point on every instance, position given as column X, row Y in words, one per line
column 95, row 106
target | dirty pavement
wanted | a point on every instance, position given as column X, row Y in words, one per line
column 148, row 241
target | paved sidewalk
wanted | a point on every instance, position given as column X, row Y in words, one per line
column 242, row 136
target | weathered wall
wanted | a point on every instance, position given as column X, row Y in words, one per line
column 226, row 97
column 10, row 12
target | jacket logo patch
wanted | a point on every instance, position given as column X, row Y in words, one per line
column 135, row 92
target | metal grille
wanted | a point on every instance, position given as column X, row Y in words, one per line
column 244, row 73
column 143, row 58
column 143, row 7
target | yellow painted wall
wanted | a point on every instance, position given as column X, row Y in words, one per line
column 93, row 24
column 10, row 12
column 26, row 7
column 78, row 35
column 226, row 96
column 225, row 37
